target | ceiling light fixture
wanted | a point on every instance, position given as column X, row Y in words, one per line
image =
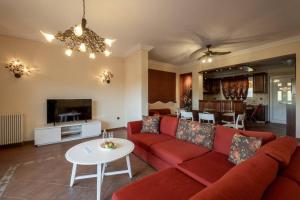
column 106, row 76
column 80, row 38
column 17, row 68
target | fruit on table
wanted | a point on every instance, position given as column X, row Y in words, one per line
column 109, row 145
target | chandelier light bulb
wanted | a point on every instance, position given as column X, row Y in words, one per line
column 68, row 52
column 92, row 56
column 49, row 37
column 204, row 60
column 16, row 62
column 78, row 30
column 109, row 42
column 82, row 47
column 107, row 53
column 209, row 60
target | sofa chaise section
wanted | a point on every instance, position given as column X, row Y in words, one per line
column 167, row 184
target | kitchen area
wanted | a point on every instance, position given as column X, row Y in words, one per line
column 261, row 91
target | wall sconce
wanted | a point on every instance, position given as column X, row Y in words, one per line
column 106, row 76
column 17, row 68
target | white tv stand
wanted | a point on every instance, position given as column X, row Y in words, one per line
column 63, row 132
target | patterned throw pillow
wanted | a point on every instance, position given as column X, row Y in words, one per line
column 196, row 133
column 182, row 129
column 201, row 134
column 150, row 124
column 242, row 148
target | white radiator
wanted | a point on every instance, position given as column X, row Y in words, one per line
column 11, row 128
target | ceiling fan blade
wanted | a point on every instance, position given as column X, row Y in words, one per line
column 215, row 53
column 201, row 57
column 194, row 53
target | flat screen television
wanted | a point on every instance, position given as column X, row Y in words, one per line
column 65, row 110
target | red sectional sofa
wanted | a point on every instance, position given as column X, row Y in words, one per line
column 189, row 171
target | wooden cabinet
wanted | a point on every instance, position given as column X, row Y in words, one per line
column 211, row 86
column 222, row 106
column 260, row 83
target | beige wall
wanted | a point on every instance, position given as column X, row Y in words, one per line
column 59, row 76
column 285, row 47
column 136, row 85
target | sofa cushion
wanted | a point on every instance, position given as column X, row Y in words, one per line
column 207, row 168
column 246, row 181
column 280, row 149
column 168, row 125
column 183, row 129
column 293, row 169
column 282, row 189
column 243, row 148
column 223, row 139
column 201, row 134
column 176, row 151
column 166, row 184
column 145, row 140
column 196, row 133
column 264, row 136
column 150, row 124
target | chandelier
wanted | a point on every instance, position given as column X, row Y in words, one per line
column 82, row 39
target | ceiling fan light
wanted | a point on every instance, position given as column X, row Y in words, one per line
column 107, row 53
column 82, row 47
column 68, row 52
column 109, row 42
column 92, row 56
column 78, row 30
column 49, row 37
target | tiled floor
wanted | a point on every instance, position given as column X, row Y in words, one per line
column 43, row 174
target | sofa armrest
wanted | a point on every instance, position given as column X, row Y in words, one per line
column 134, row 127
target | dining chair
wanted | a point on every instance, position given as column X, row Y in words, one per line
column 186, row 115
column 239, row 124
column 231, row 115
column 207, row 117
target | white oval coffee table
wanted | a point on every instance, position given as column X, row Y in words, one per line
column 90, row 153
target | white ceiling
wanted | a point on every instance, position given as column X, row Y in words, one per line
column 175, row 28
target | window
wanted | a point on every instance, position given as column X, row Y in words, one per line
column 289, row 95
column 279, row 95
column 250, row 89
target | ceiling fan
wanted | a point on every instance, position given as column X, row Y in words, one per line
column 207, row 56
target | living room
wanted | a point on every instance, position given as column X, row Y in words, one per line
column 64, row 85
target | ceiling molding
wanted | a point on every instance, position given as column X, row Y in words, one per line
column 136, row 48
column 163, row 64
column 251, row 50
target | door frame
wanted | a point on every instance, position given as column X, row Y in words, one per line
column 271, row 78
